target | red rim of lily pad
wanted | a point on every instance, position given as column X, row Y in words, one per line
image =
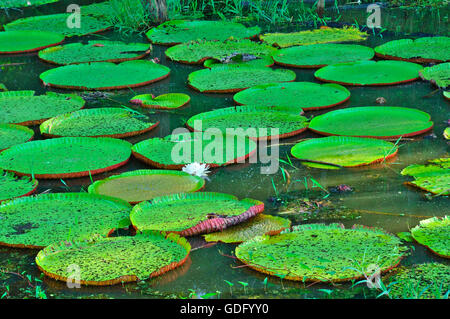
column 141, row 103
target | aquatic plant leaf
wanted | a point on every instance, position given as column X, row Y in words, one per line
column 297, row 253
column 38, row 221
column 140, row 185
column 168, row 101
column 11, row 134
column 12, row 186
column 446, row 94
column 369, row 73
column 10, row 4
column 433, row 178
column 373, row 121
column 438, row 74
column 447, row 133
column 239, row 60
column 294, row 95
column 66, row 157
column 194, row 213
column 27, row 41
column 433, row 233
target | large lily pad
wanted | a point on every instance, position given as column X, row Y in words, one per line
column 66, row 157
column 369, row 73
column 11, row 134
column 319, row 55
column 102, row 122
column 255, row 122
column 296, row 95
column 168, row 101
column 373, row 121
column 38, row 221
column 137, row 186
column 12, row 186
column 422, row 50
column 316, row 252
column 27, row 41
column 105, row 75
column 25, row 108
column 434, row 234
column 433, row 178
column 193, row 214
column 438, row 74
column 109, row 261
column 240, row 60
column 230, row 79
column 182, row 31
column 343, row 151
column 177, row 150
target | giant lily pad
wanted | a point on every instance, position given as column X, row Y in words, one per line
column 343, row 151
column 316, row 252
column 9, row 4
column 168, row 101
column 369, row 73
column 433, row 178
column 229, row 79
column 102, row 122
column 105, row 75
column 177, row 150
column 66, row 157
column 373, row 121
column 95, row 51
column 12, row 186
column 319, row 55
column 192, row 214
column 137, row 186
column 240, row 60
column 27, row 41
column 422, row 50
column 11, row 134
column 38, row 221
column 25, row 108
column 433, row 233
column 109, row 261
column 255, row 122
column 438, row 74
column 301, row 95
column 182, row 31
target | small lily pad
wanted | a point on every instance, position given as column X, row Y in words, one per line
column 433, row 178
column 168, row 101
column 438, row 74
column 433, row 233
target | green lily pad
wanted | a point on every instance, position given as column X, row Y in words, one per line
column 230, row 79
column 343, row 151
column 141, row 185
column 66, row 157
column 105, row 75
column 95, row 51
column 193, row 214
column 446, row 94
column 12, row 186
column 433, row 233
column 447, row 133
column 316, row 252
column 301, row 95
column 240, row 60
column 322, row 35
column 9, row 4
column 38, row 221
column 438, row 74
column 373, row 121
column 11, row 135
column 433, row 178
column 115, row 122
column 27, row 41
column 369, row 73
column 168, row 101
column 257, row 226
column 26, row 108
column 177, row 150
column 255, row 122
column 422, row 50
column 109, row 261
column 182, row 31
column 319, row 55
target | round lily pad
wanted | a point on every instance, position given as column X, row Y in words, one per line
column 373, row 121
column 241, row 60
column 193, row 214
column 177, row 150
column 66, row 157
column 317, row 252
column 168, row 101
column 438, row 74
column 319, row 55
column 257, row 226
column 109, row 261
column 301, row 95
column 12, row 186
column 433, row 233
column 182, row 31
column 105, row 75
column 11, row 134
column 141, row 185
column 369, row 73
column 433, row 178
column 27, row 41
column 255, row 122
column 25, row 108
column 422, row 50
column 102, row 122
column 9, row 4
column 343, row 151
column 226, row 79
column 38, row 221
column 94, row 51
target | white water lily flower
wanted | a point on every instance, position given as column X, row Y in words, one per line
column 197, row 169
